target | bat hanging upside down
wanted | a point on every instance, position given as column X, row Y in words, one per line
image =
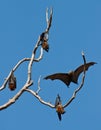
column 44, row 42
column 59, row 108
column 12, row 82
column 72, row 76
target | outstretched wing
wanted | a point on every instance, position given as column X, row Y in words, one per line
column 64, row 77
column 80, row 69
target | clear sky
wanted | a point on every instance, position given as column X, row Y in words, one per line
column 76, row 26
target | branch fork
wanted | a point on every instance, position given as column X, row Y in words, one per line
column 42, row 38
column 31, row 60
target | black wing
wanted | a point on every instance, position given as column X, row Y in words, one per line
column 59, row 116
column 80, row 69
column 64, row 77
column 57, row 101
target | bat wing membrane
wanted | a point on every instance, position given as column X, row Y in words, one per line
column 64, row 77
column 80, row 69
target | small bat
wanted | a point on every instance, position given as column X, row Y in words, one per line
column 44, row 42
column 72, row 76
column 59, row 108
column 12, row 82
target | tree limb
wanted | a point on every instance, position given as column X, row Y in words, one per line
column 14, row 69
column 38, row 86
column 29, row 81
column 36, row 94
column 71, row 99
column 12, row 100
column 39, row 98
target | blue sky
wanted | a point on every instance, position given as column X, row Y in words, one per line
column 76, row 26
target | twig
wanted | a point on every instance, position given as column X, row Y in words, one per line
column 39, row 98
column 38, row 85
column 49, row 19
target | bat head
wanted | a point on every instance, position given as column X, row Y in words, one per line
column 45, row 46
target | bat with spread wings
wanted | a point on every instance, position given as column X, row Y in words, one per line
column 72, row 76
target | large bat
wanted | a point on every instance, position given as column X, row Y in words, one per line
column 72, row 76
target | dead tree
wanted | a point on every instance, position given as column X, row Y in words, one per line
column 11, row 80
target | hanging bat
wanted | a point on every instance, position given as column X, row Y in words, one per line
column 12, row 82
column 44, row 42
column 59, row 107
column 72, row 76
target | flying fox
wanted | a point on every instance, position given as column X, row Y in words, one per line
column 59, row 108
column 44, row 42
column 12, row 82
column 71, row 76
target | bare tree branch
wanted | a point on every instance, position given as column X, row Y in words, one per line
column 49, row 20
column 71, row 99
column 39, row 98
column 29, row 81
column 38, row 86
column 12, row 100
column 36, row 94
column 81, row 85
column 37, row 45
column 14, row 69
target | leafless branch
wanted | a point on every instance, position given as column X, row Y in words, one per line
column 36, row 94
column 71, row 99
column 49, row 19
column 38, row 85
column 12, row 100
column 81, row 85
column 29, row 81
column 39, row 98
column 36, row 46
column 14, row 69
